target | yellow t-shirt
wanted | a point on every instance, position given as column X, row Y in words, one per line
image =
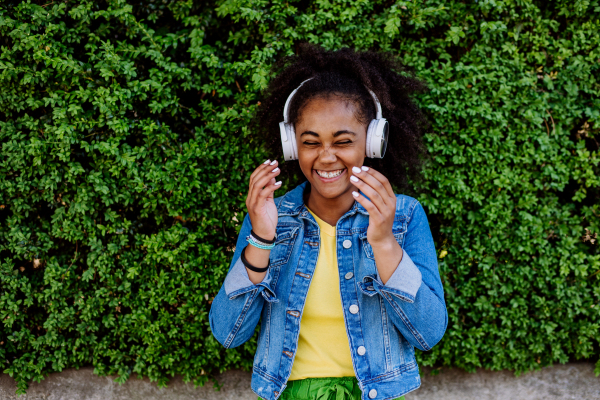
column 323, row 348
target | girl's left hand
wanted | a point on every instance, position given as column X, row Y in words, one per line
column 381, row 204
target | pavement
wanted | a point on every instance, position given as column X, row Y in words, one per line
column 568, row 381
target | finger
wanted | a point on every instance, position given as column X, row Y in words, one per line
column 269, row 183
column 257, row 170
column 368, row 205
column 260, row 170
column 267, row 191
column 369, row 179
column 265, row 178
column 381, row 178
column 262, row 180
column 371, row 193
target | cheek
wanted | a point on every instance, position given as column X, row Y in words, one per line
column 306, row 161
column 352, row 155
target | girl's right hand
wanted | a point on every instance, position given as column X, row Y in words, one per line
column 260, row 201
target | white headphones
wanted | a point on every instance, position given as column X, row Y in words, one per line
column 377, row 132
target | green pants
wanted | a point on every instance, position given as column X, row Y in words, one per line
column 323, row 389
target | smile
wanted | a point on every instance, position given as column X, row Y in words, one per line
column 329, row 174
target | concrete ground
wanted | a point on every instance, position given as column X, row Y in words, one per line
column 569, row 381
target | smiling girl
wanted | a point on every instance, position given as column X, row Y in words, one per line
column 341, row 271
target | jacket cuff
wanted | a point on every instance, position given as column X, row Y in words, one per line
column 237, row 283
column 406, row 279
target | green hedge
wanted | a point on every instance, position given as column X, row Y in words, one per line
column 126, row 153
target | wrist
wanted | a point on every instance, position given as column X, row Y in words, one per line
column 388, row 254
column 387, row 243
column 253, row 267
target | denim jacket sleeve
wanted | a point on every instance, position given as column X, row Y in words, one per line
column 414, row 294
column 236, row 309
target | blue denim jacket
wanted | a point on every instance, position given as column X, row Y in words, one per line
column 387, row 321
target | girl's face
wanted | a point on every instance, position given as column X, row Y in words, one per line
column 330, row 142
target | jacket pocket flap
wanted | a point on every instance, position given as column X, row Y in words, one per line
column 285, row 233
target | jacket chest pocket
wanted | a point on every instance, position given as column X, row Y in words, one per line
column 286, row 237
column 398, row 234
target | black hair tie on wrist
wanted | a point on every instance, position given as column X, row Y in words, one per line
column 261, row 239
column 252, row 267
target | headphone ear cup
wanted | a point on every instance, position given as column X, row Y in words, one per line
column 292, row 136
column 377, row 137
column 288, row 141
column 370, row 135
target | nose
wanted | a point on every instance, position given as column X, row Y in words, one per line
column 327, row 155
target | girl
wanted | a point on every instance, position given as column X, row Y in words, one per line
column 341, row 272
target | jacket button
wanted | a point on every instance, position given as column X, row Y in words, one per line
column 372, row 393
column 347, row 244
column 361, row 350
column 353, row 309
column 349, row 275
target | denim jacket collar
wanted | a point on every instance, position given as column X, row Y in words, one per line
column 292, row 203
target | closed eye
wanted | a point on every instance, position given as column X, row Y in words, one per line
column 337, row 143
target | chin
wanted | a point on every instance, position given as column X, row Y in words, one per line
column 329, row 192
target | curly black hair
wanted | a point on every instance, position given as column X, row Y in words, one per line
column 348, row 73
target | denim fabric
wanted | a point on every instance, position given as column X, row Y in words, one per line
column 386, row 321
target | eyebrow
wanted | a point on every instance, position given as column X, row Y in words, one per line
column 338, row 133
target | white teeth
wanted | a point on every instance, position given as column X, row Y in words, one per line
column 330, row 174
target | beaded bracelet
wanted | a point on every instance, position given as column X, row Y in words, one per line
column 252, row 240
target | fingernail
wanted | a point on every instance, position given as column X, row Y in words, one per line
column 353, row 178
column 266, row 162
column 365, row 168
column 355, row 194
column 278, row 183
column 275, row 170
column 356, row 170
column 273, row 163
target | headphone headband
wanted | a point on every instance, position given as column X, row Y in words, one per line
column 286, row 108
column 377, row 105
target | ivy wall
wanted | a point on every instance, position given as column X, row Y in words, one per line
column 125, row 154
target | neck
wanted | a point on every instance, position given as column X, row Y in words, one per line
column 329, row 210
